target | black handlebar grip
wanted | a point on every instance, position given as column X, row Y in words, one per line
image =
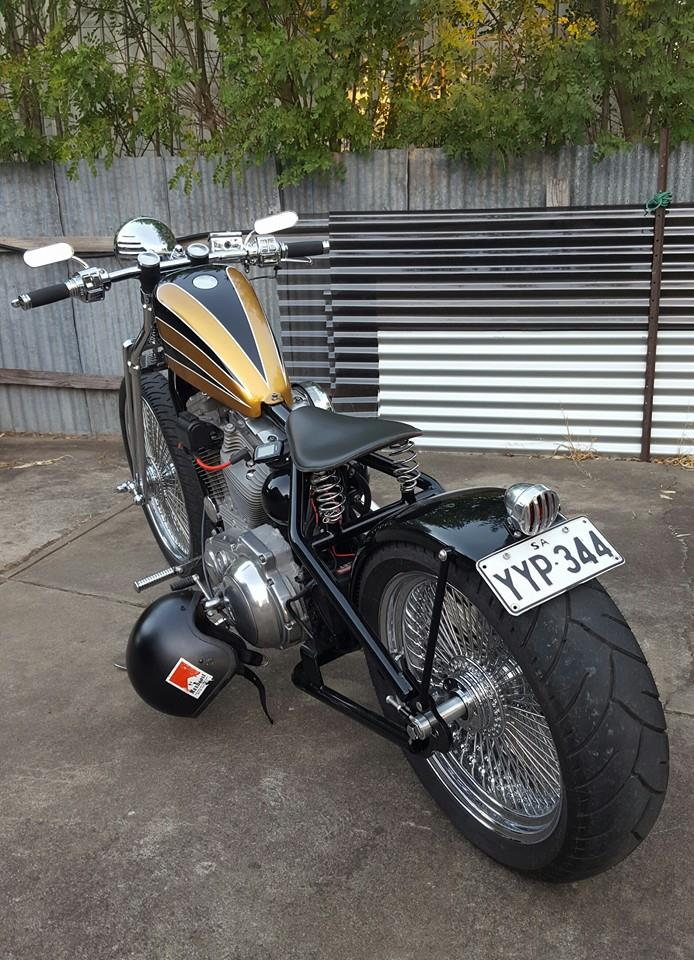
column 306, row 248
column 45, row 295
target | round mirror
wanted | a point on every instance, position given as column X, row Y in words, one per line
column 143, row 233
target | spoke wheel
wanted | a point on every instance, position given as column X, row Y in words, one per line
column 174, row 508
column 503, row 767
column 166, row 505
column 559, row 767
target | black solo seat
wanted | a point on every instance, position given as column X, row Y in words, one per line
column 320, row 439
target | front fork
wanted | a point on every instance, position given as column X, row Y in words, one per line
column 132, row 352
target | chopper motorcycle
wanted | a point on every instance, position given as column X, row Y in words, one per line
column 503, row 669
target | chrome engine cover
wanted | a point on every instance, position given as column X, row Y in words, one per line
column 255, row 574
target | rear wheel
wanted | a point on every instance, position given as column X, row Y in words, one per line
column 174, row 509
column 561, row 766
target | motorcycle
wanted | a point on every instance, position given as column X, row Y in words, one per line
column 503, row 669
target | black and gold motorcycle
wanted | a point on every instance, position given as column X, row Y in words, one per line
column 504, row 670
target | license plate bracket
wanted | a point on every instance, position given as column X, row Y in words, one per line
column 526, row 574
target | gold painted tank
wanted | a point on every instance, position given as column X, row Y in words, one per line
column 216, row 337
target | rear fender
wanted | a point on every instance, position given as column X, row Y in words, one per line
column 473, row 523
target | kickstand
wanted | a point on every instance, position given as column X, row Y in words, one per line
column 260, row 687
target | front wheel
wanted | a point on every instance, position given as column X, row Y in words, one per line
column 560, row 769
column 174, row 508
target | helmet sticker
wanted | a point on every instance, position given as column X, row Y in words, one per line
column 188, row 678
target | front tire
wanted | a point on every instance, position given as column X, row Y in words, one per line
column 174, row 509
column 567, row 771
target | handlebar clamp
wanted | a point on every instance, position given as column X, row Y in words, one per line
column 90, row 285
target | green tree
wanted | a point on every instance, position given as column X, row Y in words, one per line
column 303, row 80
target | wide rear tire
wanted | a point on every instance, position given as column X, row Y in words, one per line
column 574, row 663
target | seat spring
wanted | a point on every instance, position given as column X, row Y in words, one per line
column 404, row 455
column 329, row 495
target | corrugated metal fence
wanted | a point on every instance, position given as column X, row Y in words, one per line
column 518, row 329
column 86, row 338
column 322, row 334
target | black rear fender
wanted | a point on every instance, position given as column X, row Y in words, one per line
column 470, row 522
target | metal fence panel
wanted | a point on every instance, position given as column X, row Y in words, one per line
column 44, row 340
column 534, row 391
column 437, row 182
column 673, row 399
column 469, row 272
column 95, row 204
column 537, row 391
column 304, row 292
column 372, row 181
column 513, row 329
column 517, row 389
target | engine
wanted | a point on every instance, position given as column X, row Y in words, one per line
column 255, row 576
column 248, row 563
column 240, row 500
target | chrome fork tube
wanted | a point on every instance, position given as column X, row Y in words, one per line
column 132, row 352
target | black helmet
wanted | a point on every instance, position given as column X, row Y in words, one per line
column 173, row 664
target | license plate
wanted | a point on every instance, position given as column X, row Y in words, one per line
column 526, row 574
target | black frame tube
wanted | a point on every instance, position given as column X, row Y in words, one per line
column 444, row 562
column 357, row 711
column 307, row 556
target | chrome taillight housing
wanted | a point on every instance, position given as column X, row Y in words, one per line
column 532, row 507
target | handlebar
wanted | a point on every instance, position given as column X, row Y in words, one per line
column 42, row 296
column 306, row 248
column 92, row 283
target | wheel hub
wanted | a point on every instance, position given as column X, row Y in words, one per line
column 158, row 473
column 485, row 710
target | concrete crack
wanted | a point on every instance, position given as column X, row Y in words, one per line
column 78, row 593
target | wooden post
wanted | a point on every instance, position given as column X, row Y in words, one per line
column 654, row 301
column 557, row 192
column 52, row 378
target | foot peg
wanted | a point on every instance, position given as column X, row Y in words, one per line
column 154, row 578
column 129, row 486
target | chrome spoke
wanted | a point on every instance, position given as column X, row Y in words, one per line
column 166, row 504
column 505, row 771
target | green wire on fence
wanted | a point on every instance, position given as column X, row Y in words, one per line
column 662, row 199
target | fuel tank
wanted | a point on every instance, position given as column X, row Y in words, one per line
column 216, row 337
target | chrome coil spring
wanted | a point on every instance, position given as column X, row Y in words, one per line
column 329, row 495
column 403, row 454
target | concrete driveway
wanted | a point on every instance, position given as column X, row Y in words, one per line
column 129, row 834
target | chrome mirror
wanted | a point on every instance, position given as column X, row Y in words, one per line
column 276, row 222
column 141, row 234
column 52, row 253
